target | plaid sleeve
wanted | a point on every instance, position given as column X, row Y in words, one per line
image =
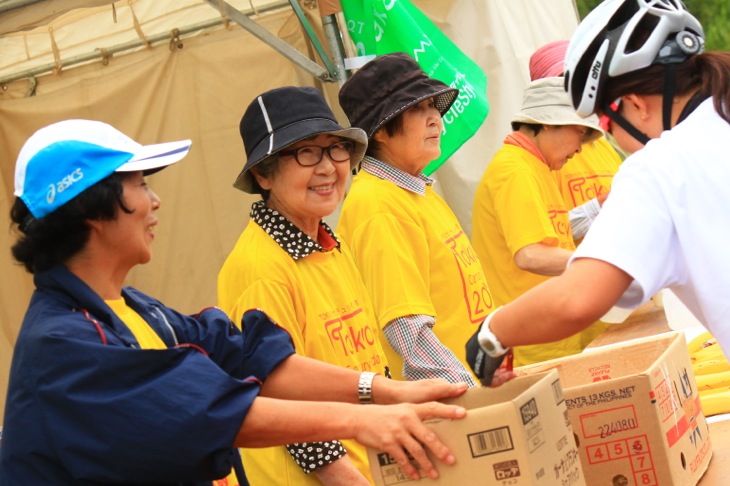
column 424, row 356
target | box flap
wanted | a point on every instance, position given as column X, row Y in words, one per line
column 629, row 358
column 479, row 397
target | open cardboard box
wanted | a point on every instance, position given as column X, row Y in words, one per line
column 517, row 435
column 635, row 411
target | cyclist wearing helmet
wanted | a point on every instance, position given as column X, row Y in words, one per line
column 661, row 226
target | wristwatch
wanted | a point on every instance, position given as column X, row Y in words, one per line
column 365, row 387
column 488, row 341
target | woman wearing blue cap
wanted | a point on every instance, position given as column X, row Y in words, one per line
column 110, row 386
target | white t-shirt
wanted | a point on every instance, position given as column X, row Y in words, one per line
column 667, row 220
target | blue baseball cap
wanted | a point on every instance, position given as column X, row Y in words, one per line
column 62, row 160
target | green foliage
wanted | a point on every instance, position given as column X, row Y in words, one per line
column 585, row 6
column 712, row 14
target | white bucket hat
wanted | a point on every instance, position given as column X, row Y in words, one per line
column 545, row 102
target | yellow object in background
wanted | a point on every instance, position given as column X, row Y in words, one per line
column 712, row 374
column 713, row 381
column 701, row 341
column 715, row 403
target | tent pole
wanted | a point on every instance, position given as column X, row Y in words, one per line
column 274, row 42
column 313, row 37
column 334, row 41
column 9, row 5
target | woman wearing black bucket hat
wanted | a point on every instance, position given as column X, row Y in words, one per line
column 426, row 283
column 289, row 263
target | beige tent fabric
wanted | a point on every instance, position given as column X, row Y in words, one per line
column 329, row 7
column 197, row 92
column 200, row 92
column 28, row 18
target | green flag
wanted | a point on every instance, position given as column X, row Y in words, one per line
column 384, row 26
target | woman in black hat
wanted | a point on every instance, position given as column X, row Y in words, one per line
column 289, row 263
column 425, row 280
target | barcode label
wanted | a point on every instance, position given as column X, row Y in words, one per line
column 490, row 442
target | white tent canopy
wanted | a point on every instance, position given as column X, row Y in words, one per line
column 187, row 71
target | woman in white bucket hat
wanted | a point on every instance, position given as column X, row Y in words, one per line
column 520, row 226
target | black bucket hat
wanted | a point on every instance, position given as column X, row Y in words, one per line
column 387, row 86
column 281, row 117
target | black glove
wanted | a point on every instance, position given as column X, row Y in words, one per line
column 480, row 362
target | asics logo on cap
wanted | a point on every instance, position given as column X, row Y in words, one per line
column 51, row 194
column 63, row 184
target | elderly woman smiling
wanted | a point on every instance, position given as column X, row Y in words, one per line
column 289, row 263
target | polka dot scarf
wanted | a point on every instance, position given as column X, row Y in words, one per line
column 290, row 238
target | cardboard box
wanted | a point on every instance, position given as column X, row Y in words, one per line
column 635, row 411
column 517, row 435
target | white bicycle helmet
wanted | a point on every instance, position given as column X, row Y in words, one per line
column 600, row 50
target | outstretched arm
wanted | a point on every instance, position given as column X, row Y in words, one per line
column 561, row 306
column 424, row 356
column 555, row 309
column 542, row 259
column 395, row 429
column 301, row 378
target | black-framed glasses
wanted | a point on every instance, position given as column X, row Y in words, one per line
column 312, row 154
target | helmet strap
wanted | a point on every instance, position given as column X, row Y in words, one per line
column 615, row 116
column 670, row 80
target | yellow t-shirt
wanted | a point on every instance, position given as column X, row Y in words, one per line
column 145, row 335
column 588, row 174
column 415, row 259
column 516, row 204
column 321, row 301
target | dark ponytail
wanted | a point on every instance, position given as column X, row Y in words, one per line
column 714, row 68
